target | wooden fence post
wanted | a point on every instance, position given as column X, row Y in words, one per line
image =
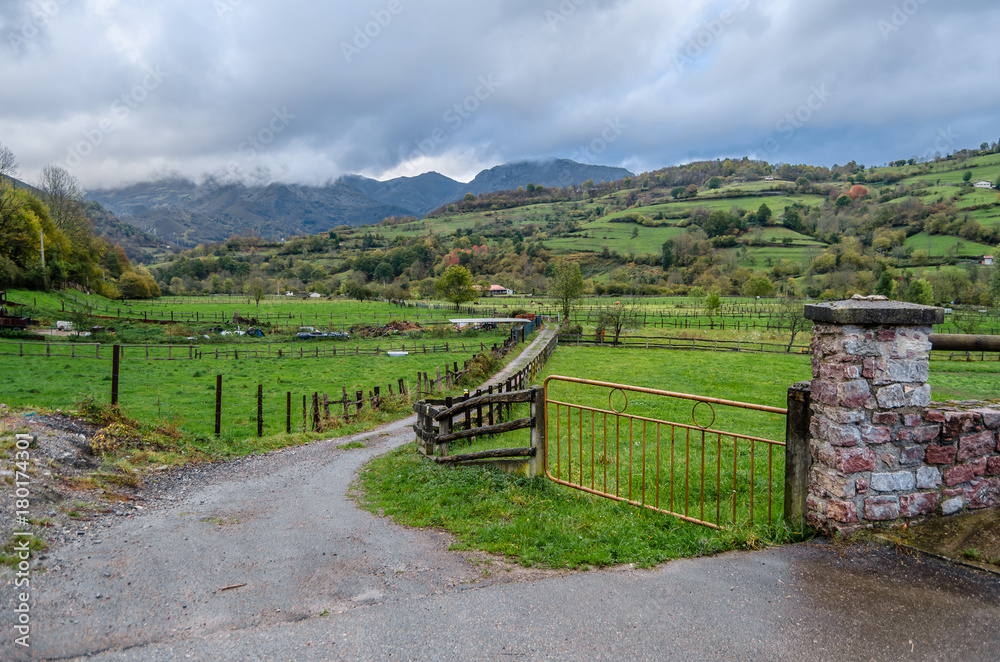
column 315, row 404
column 218, row 405
column 288, row 412
column 115, row 363
column 260, row 410
column 444, row 428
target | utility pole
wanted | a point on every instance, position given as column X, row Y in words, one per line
column 41, row 242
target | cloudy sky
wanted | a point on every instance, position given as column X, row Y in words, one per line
column 303, row 90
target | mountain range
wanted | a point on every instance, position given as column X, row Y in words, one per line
column 184, row 212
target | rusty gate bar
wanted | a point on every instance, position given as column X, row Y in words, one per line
column 677, row 489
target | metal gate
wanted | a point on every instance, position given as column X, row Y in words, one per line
column 689, row 470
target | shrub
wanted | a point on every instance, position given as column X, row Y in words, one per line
column 113, row 437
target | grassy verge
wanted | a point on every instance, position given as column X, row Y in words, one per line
column 535, row 522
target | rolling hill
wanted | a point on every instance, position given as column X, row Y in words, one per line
column 187, row 213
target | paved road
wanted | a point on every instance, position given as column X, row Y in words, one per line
column 325, row 581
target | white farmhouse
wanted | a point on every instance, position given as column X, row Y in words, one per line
column 983, row 184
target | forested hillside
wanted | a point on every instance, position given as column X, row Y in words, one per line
column 919, row 231
column 48, row 239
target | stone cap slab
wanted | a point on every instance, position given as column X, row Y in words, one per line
column 874, row 313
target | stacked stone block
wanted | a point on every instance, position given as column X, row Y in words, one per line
column 881, row 453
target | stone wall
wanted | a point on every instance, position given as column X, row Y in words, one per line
column 881, row 451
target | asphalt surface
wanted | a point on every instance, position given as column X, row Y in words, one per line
column 314, row 578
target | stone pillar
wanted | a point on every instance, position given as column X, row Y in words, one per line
column 870, row 368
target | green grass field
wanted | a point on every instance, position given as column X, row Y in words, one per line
column 536, row 522
column 939, row 244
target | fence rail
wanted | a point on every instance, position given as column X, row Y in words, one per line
column 666, row 342
column 486, row 413
column 439, row 424
column 252, row 349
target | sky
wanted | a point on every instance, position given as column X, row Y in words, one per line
column 119, row 91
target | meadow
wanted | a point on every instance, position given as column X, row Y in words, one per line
column 532, row 521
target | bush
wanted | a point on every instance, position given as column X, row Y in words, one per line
column 113, row 437
column 571, row 329
column 481, row 366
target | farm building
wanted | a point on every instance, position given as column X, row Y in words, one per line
column 983, row 184
column 987, row 260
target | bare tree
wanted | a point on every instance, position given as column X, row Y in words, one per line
column 792, row 312
column 9, row 204
column 63, row 196
column 618, row 317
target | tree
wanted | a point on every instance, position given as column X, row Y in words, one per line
column 138, row 284
column 713, row 302
column 356, row 290
column 885, row 284
column 758, row 286
column 617, row 317
column 792, row 312
column 994, row 286
column 383, row 272
column 9, row 202
column 793, row 220
column 763, row 214
column 64, row 197
column 667, row 254
column 566, row 285
column 255, row 289
column 717, row 224
column 967, row 175
column 715, row 182
column 920, row 291
column 455, row 285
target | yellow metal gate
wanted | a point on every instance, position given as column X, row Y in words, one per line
column 689, row 470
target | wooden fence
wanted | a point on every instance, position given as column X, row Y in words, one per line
column 441, row 423
column 485, row 413
column 252, row 349
column 661, row 342
column 316, row 414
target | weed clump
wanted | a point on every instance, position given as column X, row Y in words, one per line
column 113, row 437
column 481, row 367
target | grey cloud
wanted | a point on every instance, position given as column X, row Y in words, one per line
column 370, row 83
